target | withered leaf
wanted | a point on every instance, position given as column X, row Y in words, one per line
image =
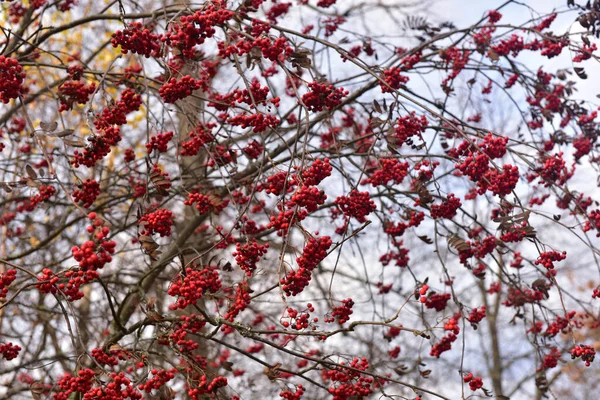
column 49, row 126
column 31, row 172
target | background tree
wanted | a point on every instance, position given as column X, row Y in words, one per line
column 305, row 199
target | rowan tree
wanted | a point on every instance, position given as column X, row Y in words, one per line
column 252, row 199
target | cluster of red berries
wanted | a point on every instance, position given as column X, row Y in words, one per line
column 177, row 89
column 105, row 359
column 276, row 184
column 191, row 287
column 587, row 353
column 548, row 258
column 109, row 134
column 159, row 142
column 474, row 383
column 560, row 325
column 95, row 253
column 45, row 193
column 192, row 30
column 332, row 24
column 260, row 122
column 318, row 170
column 240, row 302
column 342, row 313
column 437, row 301
column 393, row 79
column 91, row 256
column 446, row 343
column 137, row 39
column 159, row 221
column 390, row 170
column 476, row 315
column 308, row 197
column 285, row 219
column 299, row 320
column 11, row 79
column 352, row 384
column 9, row 351
column 248, row 255
column 447, row 209
column 159, row 379
column 356, row 204
column 87, row 192
column 582, row 146
column 456, row 59
column 205, row 387
column 514, row 45
column 74, row 92
column 120, row 387
column 551, row 360
column 6, row 279
column 314, row 252
column 397, row 229
column 408, row 126
column 205, row 203
column 253, row 150
column 517, row 297
column 289, row 395
column 323, row 95
column 400, row 256
column 200, row 136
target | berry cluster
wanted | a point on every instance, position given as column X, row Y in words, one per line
column 342, row 313
column 45, row 193
column 476, row 315
column 159, row 142
column 393, row 80
column 137, row 39
column 109, row 134
column 352, row 384
column 87, row 192
column 9, row 351
column 474, row 383
column 408, row 126
column 587, row 353
column 240, row 302
column 177, row 89
column 253, row 150
column 6, row 279
column 447, row 209
column 248, row 255
column 314, row 252
column 198, row 138
column 390, row 170
column 159, row 379
column 91, row 256
column 11, row 79
column 74, row 92
column 206, row 203
column 159, row 221
column 260, row 122
column 285, row 219
column 297, row 395
column 318, row 170
column 192, row 30
column 356, row 204
column 323, row 95
column 437, row 301
column 299, row 320
column 191, row 287
column 548, row 258
column 308, row 197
